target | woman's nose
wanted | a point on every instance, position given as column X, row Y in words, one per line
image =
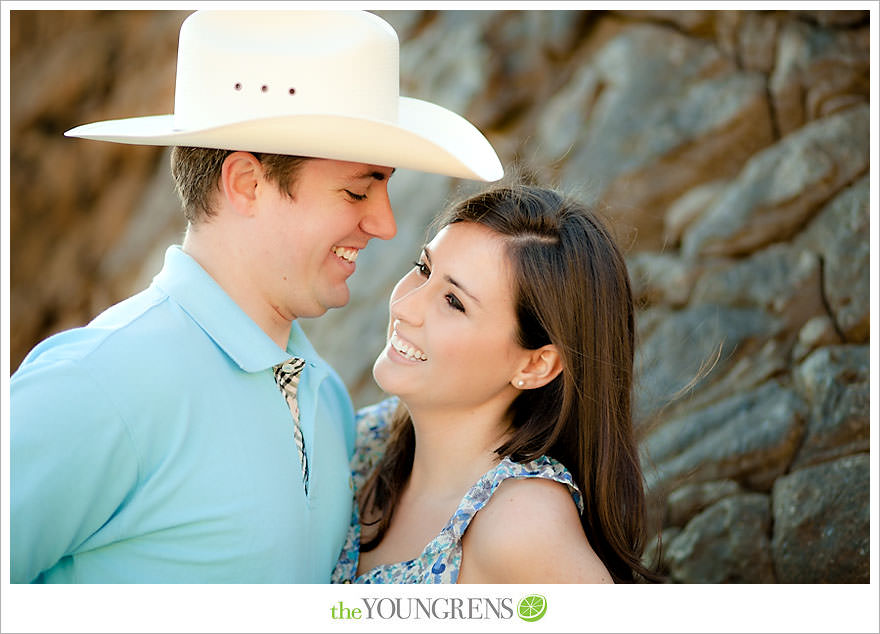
column 408, row 302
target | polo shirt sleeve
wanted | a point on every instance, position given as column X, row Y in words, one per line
column 72, row 464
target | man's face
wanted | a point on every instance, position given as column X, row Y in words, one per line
column 306, row 246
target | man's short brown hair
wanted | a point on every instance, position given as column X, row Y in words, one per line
column 196, row 173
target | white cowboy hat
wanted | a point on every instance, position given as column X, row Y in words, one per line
column 309, row 83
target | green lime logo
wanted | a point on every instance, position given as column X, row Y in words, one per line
column 532, row 607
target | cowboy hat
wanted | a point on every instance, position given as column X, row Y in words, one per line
column 308, row 83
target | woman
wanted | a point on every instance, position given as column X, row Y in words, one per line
column 507, row 454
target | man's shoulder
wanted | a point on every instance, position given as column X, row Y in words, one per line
column 121, row 330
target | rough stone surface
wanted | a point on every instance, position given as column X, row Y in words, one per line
column 837, row 234
column 726, row 543
column 818, row 70
column 705, row 340
column 750, row 437
column 818, row 331
column 687, row 501
column 834, row 380
column 824, row 510
column 781, row 279
column 666, row 112
column 661, row 278
column 682, row 212
column 781, row 187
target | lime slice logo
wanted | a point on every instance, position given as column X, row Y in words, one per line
column 532, row 607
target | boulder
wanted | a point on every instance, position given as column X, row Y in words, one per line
column 749, row 437
column 823, row 510
column 835, row 382
column 783, row 186
column 838, row 234
column 727, row 543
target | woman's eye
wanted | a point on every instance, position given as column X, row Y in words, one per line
column 356, row 196
column 422, row 269
column 452, row 300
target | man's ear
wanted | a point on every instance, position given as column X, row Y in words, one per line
column 539, row 368
column 239, row 177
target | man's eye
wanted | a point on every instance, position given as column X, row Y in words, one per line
column 356, row 196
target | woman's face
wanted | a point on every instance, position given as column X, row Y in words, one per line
column 452, row 334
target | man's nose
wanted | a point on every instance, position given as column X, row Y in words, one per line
column 378, row 221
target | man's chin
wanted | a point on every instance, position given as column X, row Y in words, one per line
column 337, row 300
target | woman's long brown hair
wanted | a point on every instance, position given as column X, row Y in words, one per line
column 571, row 289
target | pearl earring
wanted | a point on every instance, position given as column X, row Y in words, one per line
column 520, row 383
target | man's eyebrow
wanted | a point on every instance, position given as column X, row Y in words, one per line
column 374, row 174
column 449, row 279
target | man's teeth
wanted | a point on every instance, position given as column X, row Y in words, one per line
column 407, row 349
column 345, row 253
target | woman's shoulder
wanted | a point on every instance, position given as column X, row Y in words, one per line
column 529, row 502
column 373, row 424
column 541, row 472
column 376, row 418
column 530, row 531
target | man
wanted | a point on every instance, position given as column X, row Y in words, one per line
column 191, row 433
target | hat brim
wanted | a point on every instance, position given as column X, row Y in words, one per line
column 426, row 137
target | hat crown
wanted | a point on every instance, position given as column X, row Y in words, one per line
column 248, row 65
column 323, row 84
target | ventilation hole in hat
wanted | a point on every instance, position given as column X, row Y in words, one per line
column 292, row 91
column 238, row 86
column 265, row 88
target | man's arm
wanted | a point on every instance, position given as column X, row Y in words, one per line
column 72, row 463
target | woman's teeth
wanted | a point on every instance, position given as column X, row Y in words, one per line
column 407, row 349
column 350, row 255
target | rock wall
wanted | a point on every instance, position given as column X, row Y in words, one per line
column 728, row 149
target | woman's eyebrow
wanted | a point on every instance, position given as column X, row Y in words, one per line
column 450, row 279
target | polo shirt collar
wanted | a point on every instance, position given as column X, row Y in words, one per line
column 205, row 301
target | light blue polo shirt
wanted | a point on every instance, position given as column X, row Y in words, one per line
column 153, row 445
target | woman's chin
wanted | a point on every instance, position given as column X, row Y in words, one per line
column 391, row 376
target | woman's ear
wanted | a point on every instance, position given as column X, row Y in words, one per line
column 239, row 178
column 540, row 367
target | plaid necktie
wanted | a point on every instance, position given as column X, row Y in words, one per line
column 287, row 376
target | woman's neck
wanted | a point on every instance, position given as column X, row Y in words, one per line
column 453, row 449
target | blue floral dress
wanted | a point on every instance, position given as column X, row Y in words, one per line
column 440, row 561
